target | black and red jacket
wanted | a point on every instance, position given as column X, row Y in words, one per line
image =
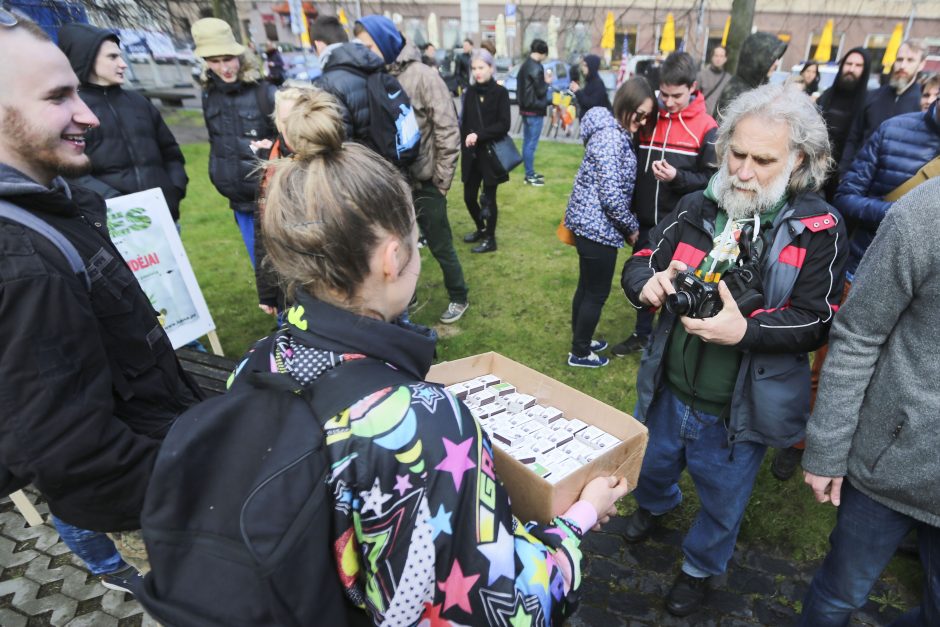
column 802, row 273
column 686, row 140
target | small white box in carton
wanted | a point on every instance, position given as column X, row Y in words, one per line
column 589, row 435
column 534, row 497
column 459, row 390
column 519, row 402
column 487, row 380
column 605, row 442
column 574, row 425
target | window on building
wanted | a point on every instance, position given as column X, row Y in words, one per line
column 877, row 45
column 270, row 27
column 628, row 32
column 577, row 41
column 534, row 30
column 837, row 41
column 415, row 30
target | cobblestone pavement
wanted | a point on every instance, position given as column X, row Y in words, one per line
column 41, row 583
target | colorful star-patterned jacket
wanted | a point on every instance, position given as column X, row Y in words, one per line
column 423, row 530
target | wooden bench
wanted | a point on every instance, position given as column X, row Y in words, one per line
column 210, row 371
column 168, row 98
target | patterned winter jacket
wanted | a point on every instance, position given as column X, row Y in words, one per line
column 423, row 529
column 599, row 207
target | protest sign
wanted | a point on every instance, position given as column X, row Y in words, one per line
column 143, row 231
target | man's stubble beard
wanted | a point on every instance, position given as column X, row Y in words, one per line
column 739, row 205
column 38, row 149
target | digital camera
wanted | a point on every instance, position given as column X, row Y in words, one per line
column 697, row 299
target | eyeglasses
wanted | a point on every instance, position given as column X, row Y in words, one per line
column 8, row 18
column 640, row 116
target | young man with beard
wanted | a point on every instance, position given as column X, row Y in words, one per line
column 901, row 95
column 89, row 383
column 839, row 104
column 676, row 157
column 715, row 392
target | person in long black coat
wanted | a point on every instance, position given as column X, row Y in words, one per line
column 591, row 91
column 485, row 118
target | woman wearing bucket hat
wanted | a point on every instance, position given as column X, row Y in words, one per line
column 237, row 105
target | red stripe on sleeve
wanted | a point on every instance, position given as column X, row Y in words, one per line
column 791, row 255
column 689, row 255
column 646, row 252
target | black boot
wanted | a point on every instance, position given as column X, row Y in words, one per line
column 686, row 595
column 475, row 236
column 487, row 246
column 639, row 525
column 785, row 463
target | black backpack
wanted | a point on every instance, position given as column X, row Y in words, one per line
column 238, row 513
column 393, row 126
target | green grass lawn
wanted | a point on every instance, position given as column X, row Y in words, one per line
column 520, row 306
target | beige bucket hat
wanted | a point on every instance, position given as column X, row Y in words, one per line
column 214, row 38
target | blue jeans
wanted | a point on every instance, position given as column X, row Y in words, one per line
column 531, row 131
column 723, row 477
column 93, row 547
column 246, row 224
column 863, row 541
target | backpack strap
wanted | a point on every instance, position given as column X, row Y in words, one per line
column 35, row 223
column 340, row 387
column 337, row 388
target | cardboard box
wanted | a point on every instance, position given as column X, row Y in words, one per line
column 534, row 498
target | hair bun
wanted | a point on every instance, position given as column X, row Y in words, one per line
column 314, row 127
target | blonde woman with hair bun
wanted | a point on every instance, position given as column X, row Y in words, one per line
column 423, row 527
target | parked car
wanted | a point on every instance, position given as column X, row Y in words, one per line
column 560, row 77
column 610, row 82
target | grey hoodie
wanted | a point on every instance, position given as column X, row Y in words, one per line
column 877, row 416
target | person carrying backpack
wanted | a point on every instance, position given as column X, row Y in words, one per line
column 376, row 110
column 237, row 105
column 384, row 507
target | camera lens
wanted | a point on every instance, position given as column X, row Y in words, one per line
column 678, row 303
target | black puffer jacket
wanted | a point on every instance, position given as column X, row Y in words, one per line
column 89, row 383
column 758, row 54
column 133, row 149
column 344, row 76
column 532, row 90
column 880, row 105
column 237, row 114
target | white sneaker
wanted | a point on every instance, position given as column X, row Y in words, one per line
column 454, row 312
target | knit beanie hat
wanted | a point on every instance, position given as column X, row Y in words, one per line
column 385, row 35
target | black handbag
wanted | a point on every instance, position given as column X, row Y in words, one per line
column 502, row 152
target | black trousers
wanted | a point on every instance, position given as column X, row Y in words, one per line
column 484, row 217
column 596, row 263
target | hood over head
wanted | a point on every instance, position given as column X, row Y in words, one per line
column 862, row 84
column 593, row 63
column 409, row 54
column 758, row 54
column 80, row 43
column 385, row 35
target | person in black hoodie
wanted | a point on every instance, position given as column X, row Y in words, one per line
column 901, row 95
column 237, row 105
column 133, row 149
column 594, row 92
column 485, row 118
column 839, row 103
column 88, row 379
column 759, row 57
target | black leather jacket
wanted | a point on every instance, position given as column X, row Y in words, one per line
column 532, row 90
column 237, row 114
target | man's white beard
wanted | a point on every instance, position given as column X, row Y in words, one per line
column 740, row 205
